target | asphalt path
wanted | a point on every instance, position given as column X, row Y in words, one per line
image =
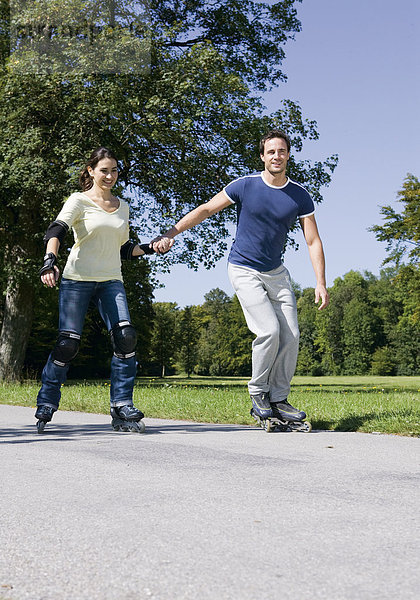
column 204, row 511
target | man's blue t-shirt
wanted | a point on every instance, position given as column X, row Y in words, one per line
column 265, row 214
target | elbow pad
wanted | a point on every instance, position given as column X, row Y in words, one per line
column 126, row 251
column 56, row 229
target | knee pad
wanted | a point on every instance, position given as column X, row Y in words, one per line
column 66, row 348
column 124, row 339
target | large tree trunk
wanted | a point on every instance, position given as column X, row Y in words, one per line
column 17, row 322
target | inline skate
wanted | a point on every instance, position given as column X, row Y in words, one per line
column 44, row 414
column 127, row 418
column 261, row 406
column 284, row 417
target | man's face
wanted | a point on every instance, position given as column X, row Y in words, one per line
column 275, row 156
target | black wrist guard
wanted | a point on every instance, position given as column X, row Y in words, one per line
column 146, row 248
column 50, row 260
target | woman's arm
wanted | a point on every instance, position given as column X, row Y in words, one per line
column 49, row 276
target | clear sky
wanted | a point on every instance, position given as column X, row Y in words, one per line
column 355, row 69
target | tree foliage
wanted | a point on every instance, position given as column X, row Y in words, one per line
column 401, row 230
column 188, row 333
column 369, row 328
column 163, row 344
column 185, row 118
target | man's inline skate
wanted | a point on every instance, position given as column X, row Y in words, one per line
column 278, row 416
column 44, row 414
column 127, row 418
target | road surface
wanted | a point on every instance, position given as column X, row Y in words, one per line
column 204, row 512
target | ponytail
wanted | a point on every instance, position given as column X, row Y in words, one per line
column 85, row 180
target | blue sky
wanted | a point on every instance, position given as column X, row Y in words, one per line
column 354, row 68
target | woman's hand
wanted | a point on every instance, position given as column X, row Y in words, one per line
column 50, row 278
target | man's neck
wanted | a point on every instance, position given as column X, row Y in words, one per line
column 278, row 180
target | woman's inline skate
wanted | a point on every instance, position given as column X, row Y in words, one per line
column 127, row 418
column 44, row 413
column 278, row 416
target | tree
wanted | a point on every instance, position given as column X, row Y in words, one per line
column 308, row 357
column 383, row 361
column 193, row 103
column 224, row 345
column 188, row 334
column 214, row 331
column 405, row 335
column 401, row 230
column 238, row 341
column 163, row 345
column 329, row 329
column 348, row 333
column 358, row 337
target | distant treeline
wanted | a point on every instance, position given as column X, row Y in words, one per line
column 372, row 326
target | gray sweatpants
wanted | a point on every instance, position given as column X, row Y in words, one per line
column 269, row 306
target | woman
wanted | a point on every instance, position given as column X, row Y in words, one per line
column 92, row 273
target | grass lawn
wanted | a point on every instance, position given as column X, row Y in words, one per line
column 369, row 404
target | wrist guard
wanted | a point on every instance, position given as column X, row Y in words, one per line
column 126, row 251
column 146, row 249
column 50, row 260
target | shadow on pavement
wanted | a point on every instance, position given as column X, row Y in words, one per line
column 57, row 432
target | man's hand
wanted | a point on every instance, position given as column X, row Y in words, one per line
column 162, row 244
column 322, row 294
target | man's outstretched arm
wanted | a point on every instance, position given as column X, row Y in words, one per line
column 316, row 253
column 164, row 242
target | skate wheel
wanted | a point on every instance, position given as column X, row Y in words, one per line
column 141, row 427
column 121, row 427
column 135, row 427
column 129, row 426
column 269, row 426
column 301, row 426
column 40, row 426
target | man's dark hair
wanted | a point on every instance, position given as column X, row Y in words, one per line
column 274, row 133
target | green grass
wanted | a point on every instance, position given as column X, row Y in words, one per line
column 369, row 404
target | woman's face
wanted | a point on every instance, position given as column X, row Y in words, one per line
column 105, row 174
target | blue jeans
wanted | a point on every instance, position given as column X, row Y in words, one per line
column 111, row 301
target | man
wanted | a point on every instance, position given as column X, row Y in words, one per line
column 268, row 204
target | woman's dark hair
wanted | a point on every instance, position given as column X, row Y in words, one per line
column 85, row 179
column 274, row 133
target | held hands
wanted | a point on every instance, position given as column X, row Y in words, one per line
column 322, row 295
column 162, row 244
